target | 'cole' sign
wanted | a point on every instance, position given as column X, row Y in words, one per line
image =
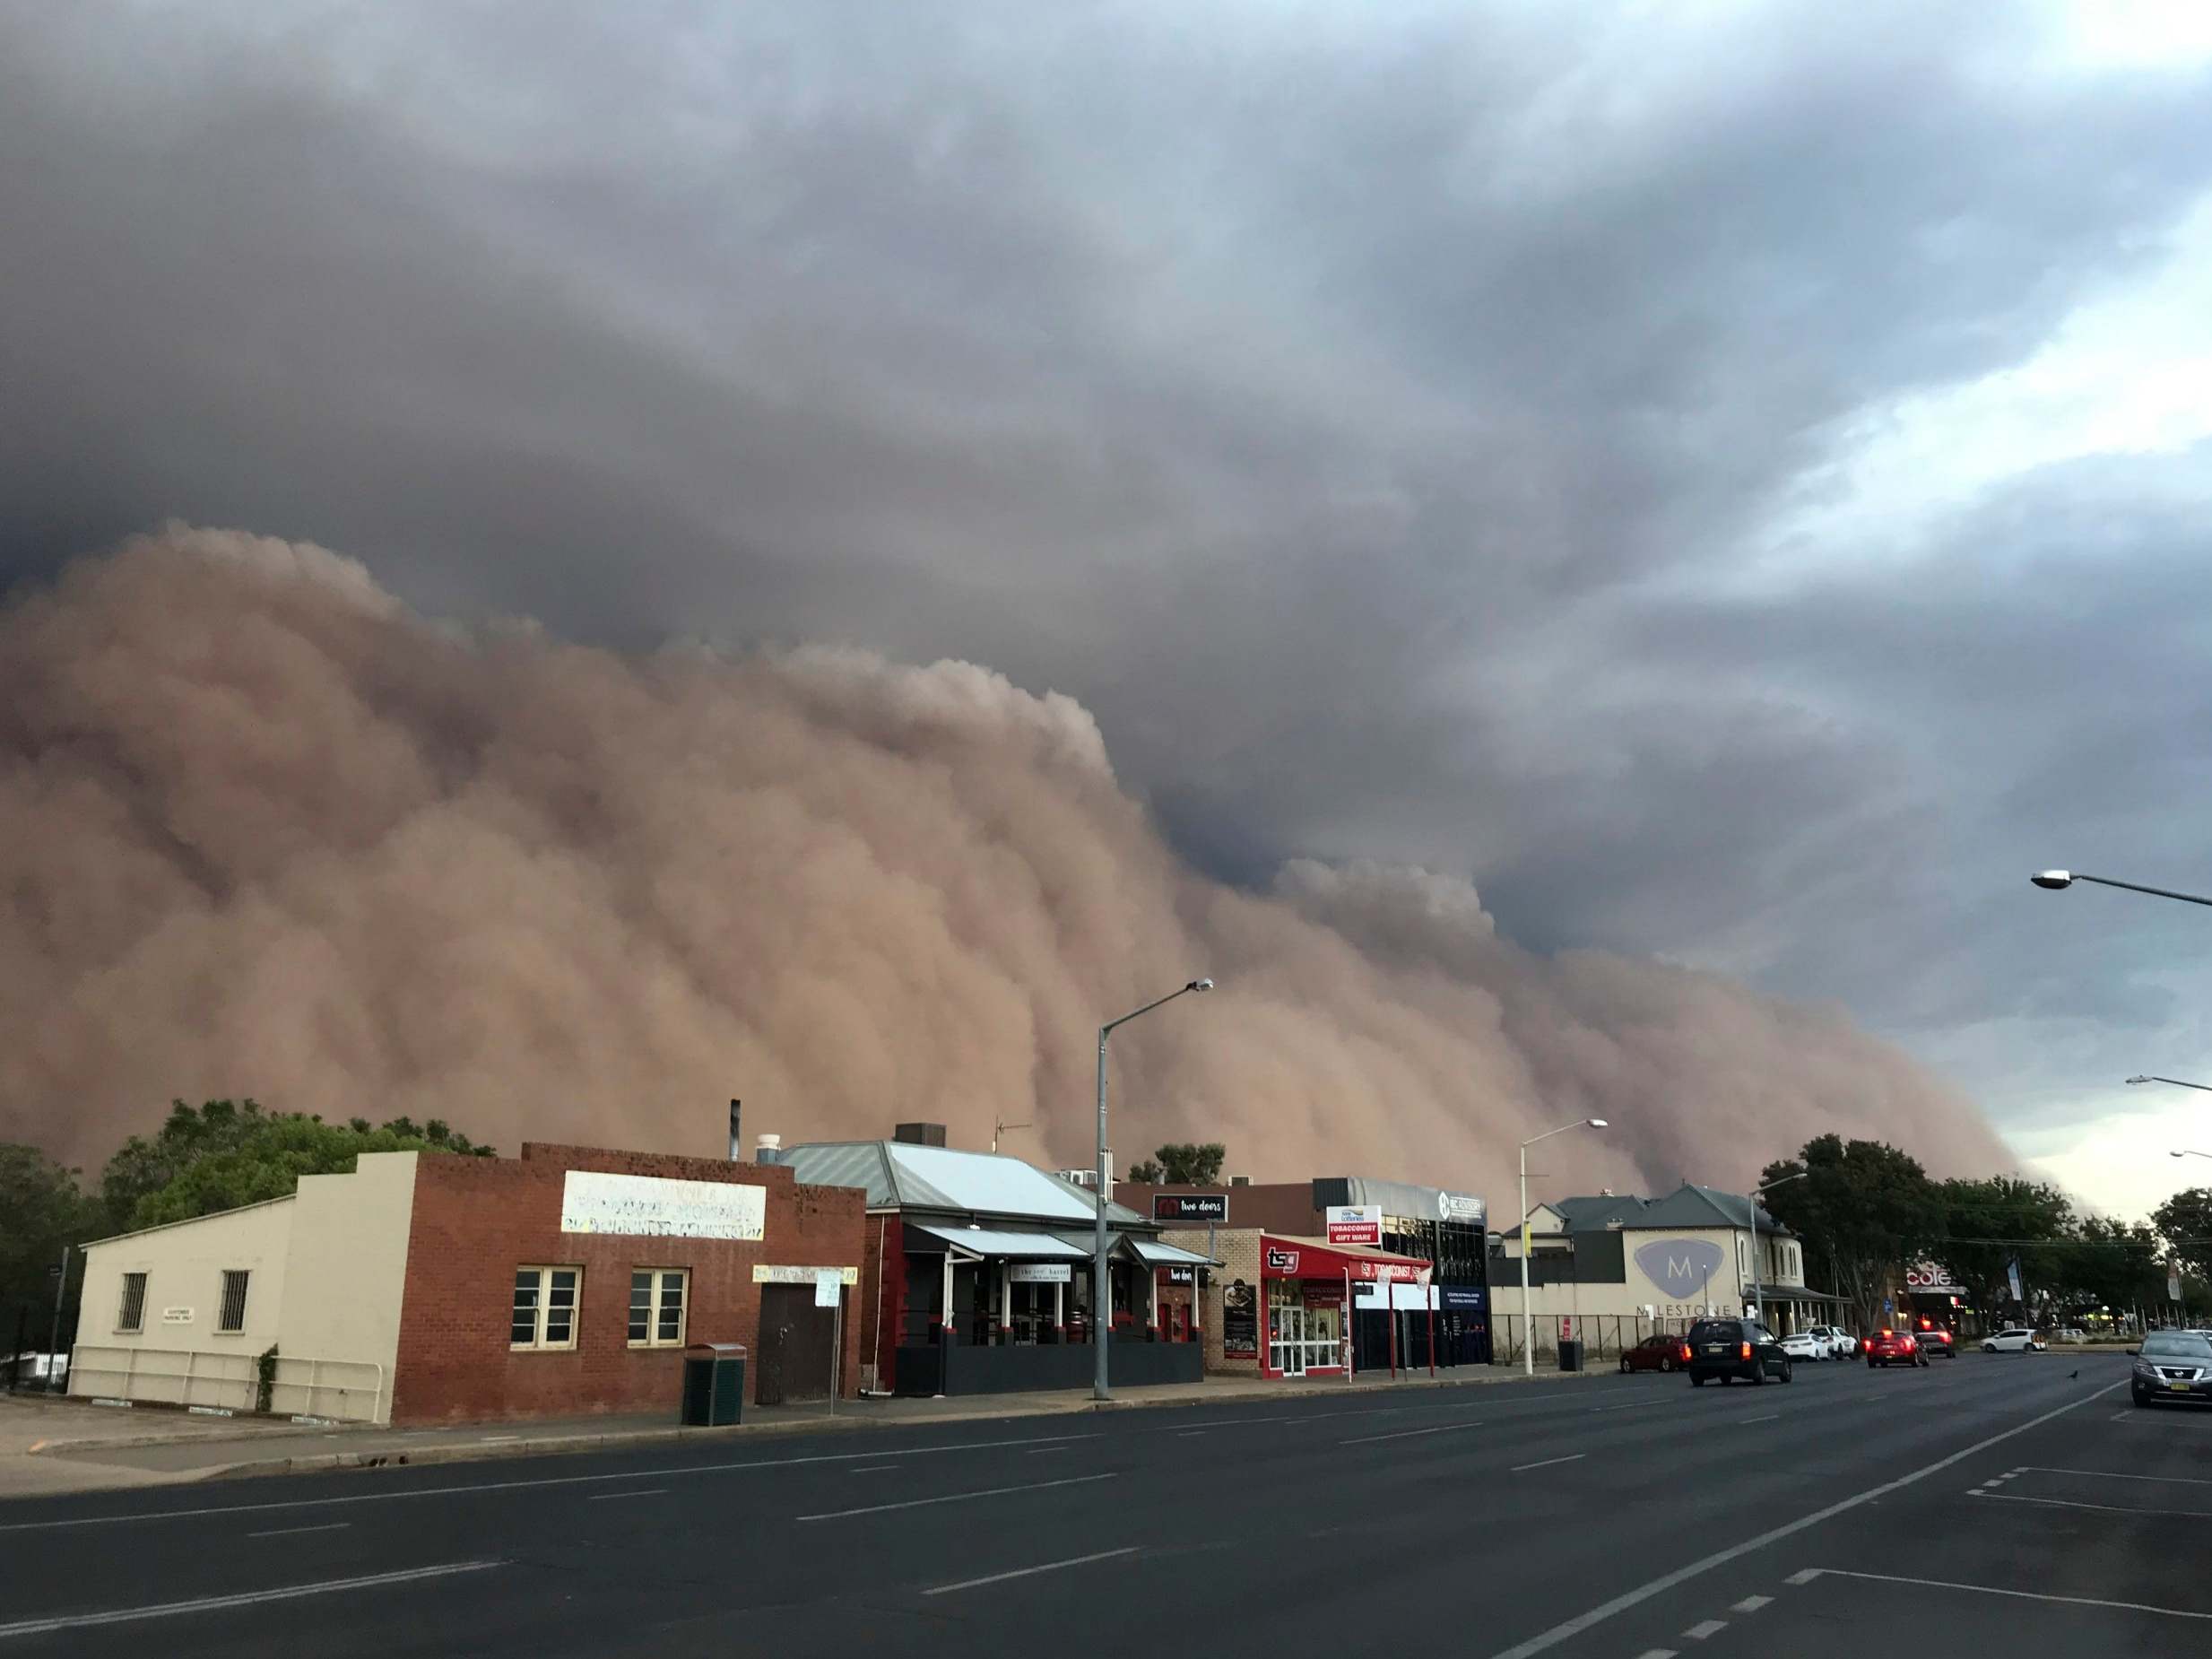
column 1191, row 1207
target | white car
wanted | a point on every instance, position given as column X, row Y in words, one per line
column 1806, row 1345
column 2013, row 1341
column 1841, row 1344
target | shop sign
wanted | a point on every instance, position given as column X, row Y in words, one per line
column 1461, row 1296
column 800, row 1275
column 1178, row 1275
column 1040, row 1273
column 176, row 1315
column 1355, row 1224
column 1240, row 1321
column 1928, row 1276
column 652, row 1206
column 1282, row 1264
column 1391, row 1272
column 829, row 1286
column 1459, row 1207
column 1191, row 1207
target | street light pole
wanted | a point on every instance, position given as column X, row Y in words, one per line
column 1101, row 1298
column 2189, row 1152
column 1528, row 1318
column 2177, row 1082
column 2058, row 879
column 1759, row 1289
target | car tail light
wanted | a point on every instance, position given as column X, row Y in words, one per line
column 1747, row 1350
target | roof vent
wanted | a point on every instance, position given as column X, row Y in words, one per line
column 919, row 1134
column 1240, row 1180
column 768, row 1149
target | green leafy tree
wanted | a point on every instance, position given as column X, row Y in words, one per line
column 226, row 1153
column 1983, row 1223
column 1863, row 1208
column 2115, row 1264
column 2185, row 1222
column 1193, row 1163
column 1146, row 1170
column 41, row 1210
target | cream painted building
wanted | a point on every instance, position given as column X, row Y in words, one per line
column 183, row 1314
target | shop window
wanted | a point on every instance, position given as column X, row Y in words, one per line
column 545, row 1304
column 656, row 1304
column 130, row 1314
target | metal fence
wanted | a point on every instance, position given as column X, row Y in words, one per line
column 1605, row 1337
column 347, row 1390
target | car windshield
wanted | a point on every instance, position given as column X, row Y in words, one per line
column 1716, row 1331
column 2177, row 1345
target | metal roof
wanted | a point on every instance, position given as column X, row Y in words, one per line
column 1154, row 1254
column 1416, row 1204
column 1016, row 1247
column 1689, row 1205
column 899, row 1175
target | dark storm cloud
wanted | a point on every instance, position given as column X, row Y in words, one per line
column 1351, row 413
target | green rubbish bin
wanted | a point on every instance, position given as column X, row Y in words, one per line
column 714, row 1385
column 1570, row 1354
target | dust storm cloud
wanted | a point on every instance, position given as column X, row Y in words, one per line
column 271, row 833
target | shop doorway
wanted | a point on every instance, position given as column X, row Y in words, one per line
column 795, row 1362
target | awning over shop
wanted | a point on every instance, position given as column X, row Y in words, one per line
column 1795, row 1293
column 1154, row 1254
column 980, row 1242
column 1313, row 1258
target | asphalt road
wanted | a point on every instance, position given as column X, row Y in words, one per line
column 1998, row 1501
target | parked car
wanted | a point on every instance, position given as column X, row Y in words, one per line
column 1730, row 1348
column 1938, row 1343
column 2173, row 1365
column 2016, row 1341
column 1663, row 1352
column 1841, row 1343
column 1886, row 1348
column 1805, row 1345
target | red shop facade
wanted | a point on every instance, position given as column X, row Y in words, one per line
column 1305, row 1288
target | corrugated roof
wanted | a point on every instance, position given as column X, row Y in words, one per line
column 1691, row 1205
column 1014, row 1246
column 898, row 1173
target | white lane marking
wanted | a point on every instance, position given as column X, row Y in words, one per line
column 1772, row 1416
column 2068, row 1503
column 608, row 1498
column 1053, row 1442
column 213, row 1603
column 957, row 1497
column 492, row 1439
column 1025, row 1572
column 2121, row 1416
column 1656, row 1653
column 1548, row 1463
column 2101, row 1474
column 1710, row 1627
column 1633, row 1405
column 1041, row 1450
column 2022, row 1596
column 1749, row 1604
column 1805, row 1578
column 1643, row 1593
column 289, row 1531
column 881, row 1468
column 1408, row 1434
column 1191, row 1434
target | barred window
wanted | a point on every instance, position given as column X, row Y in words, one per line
column 656, row 1298
column 232, row 1317
column 545, row 1304
column 131, row 1312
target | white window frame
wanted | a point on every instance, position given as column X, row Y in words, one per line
column 542, row 1305
column 656, row 1293
column 123, row 1305
column 245, row 1277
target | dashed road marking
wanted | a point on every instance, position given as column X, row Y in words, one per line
column 1407, row 1434
column 1750, row 1604
column 1710, row 1627
column 2102, row 1474
column 2023, row 1595
column 2068, row 1503
column 1548, row 1463
column 251, row 1598
column 287, row 1532
column 958, row 1497
column 1805, row 1578
column 1026, row 1572
column 1770, row 1418
column 608, row 1498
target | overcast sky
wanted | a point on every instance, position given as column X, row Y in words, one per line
column 1731, row 480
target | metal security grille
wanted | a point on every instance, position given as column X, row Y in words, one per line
column 233, row 1314
column 131, row 1316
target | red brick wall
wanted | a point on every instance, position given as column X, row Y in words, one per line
column 884, row 1292
column 477, row 1220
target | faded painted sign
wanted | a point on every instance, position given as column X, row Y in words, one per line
column 652, row 1206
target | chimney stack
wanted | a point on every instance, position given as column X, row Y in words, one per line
column 768, row 1149
column 737, row 1141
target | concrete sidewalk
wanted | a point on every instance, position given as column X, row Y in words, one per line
column 62, row 1445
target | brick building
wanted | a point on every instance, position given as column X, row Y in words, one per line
column 430, row 1288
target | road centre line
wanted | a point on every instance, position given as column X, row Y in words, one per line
column 250, row 1598
column 2099, row 1474
column 882, row 1468
column 1772, row 1416
column 1407, row 1434
column 289, row 1531
column 1048, row 1442
column 1811, row 1573
column 2068, row 1503
column 957, row 1497
column 1548, row 1463
column 1026, row 1572
column 1604, row 1611
column 608, row 1498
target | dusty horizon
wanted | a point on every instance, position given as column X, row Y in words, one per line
column 283, row 838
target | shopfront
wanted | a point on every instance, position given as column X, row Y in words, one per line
column 1306, row 1288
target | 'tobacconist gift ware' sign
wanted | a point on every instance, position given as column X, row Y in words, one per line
column 651, row 1206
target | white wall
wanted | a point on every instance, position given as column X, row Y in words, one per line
column 348, row 1267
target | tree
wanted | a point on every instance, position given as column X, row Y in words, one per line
column 44, row 1210
column 2185, row 1222
column 1148, row 1171
column 226, row 1153
column 2003, row 1211
column 1863, row 1208
column 2113, row 1264
column 1193, row 1163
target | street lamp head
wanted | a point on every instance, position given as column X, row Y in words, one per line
column 1595, row 1123
column 2053, row 879
column 2141, row 1080
column 1200, row 984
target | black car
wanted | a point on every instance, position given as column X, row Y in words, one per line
column 1726, row 1348
column 2173, row 1365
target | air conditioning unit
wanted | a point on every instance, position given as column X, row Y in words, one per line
column 1080, row 1178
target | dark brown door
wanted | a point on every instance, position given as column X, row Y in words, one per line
column 795, row 1361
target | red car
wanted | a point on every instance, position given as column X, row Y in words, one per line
column 1657, row 1353
column 1937, row 1342
column 1888, row 1348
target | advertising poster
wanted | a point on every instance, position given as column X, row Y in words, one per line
column 1240, row 1321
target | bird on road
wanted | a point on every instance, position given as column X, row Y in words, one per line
column 2071, row 1376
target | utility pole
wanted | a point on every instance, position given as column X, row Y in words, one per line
column 54, row 1341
